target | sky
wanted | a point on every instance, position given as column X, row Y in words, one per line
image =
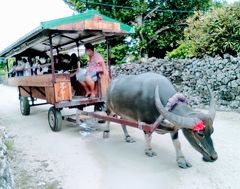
column 18, row 17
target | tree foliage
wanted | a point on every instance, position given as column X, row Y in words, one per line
column 118, row 52
column 181, row 52
column 213, row 33
column 2, row 66
column 159, row 23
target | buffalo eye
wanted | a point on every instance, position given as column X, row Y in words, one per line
column 200, row 134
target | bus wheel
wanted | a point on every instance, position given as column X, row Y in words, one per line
column 55, row 119
column 24, row 105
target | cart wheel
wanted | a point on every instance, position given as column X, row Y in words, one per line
column 54, row 119
column 24, row 105
column 99, row 107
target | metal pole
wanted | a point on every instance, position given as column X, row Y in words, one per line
column 78, row 50
column 57, row 51
column 52, row 59
column 108, row 59
column 7, row 68
column 30, row 63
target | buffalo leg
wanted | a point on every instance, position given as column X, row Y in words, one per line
column 128, row 138
column 148, row 149
column 106, row 132
column 181, row 161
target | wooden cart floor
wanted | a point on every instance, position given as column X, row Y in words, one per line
column 78, row 101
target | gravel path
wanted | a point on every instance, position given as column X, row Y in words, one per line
column 43, row 159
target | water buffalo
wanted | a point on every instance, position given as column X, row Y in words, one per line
column 143, row 98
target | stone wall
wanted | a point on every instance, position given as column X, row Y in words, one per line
column 222, row 75
column 6, row 180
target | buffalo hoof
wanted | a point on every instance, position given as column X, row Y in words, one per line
column 183, row 163
column 150, row 153
column 129, row 139
column 105, row 134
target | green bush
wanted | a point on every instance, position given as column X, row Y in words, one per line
column 183, row 51
column 84, row 60
column 2, row 67
column 216, row 32
column 118, row 52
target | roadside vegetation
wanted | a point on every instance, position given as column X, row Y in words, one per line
column 177, row 29
column 2, row 67
column 215, row 32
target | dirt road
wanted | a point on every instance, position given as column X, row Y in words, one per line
column 68, row 160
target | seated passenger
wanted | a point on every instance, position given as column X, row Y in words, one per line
column 34, row 66
column 12, row 71
column 27, row 67
column 73, row 67
column 19, row 68
column 95, row 65
column 81, row 75
column 81, row 78
column 39, row 67
column 66, row 61
column 44, row 64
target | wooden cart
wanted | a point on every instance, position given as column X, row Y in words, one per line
column 54, row 36
column 58, row 94
column 59, row 35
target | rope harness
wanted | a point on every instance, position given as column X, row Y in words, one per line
column 172, row 102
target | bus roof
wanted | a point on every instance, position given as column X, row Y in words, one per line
column 68, row 32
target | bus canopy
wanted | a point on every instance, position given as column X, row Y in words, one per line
column 66, row 33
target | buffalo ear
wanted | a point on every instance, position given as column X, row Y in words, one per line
column 206, row 118
column 212, row 105
column 208, row 124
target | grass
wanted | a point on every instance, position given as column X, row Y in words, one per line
column 26, row 181
column 10, row 145
column 23, row 180
column 53, row 185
